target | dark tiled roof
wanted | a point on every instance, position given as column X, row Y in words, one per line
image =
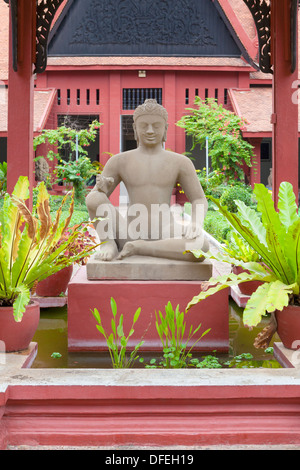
column 237, row 5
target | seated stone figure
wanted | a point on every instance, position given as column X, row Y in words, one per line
column 149, row 173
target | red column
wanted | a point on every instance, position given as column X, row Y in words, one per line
column 285, row 108
column 255, row 175
column 20, row 100
column 170, row 105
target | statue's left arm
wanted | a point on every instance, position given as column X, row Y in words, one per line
column 192, row 188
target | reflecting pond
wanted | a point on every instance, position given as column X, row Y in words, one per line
column 52, row 339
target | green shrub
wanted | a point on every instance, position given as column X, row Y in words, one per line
column 217, row 191
column 80, row 213
column 3, row 177
column 77, row 218
column 217, row 226
column 236, row 192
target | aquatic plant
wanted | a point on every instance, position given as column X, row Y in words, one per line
column 117, row 341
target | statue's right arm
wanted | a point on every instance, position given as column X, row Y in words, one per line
column 109, row 179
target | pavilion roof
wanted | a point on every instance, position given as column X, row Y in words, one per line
column 147, row 61
column 245, row 17
column 43, row 100
column 241, row 12
column 4, row 25
column 255, row 105
column 238, row 6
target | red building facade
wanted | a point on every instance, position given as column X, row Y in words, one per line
column 96, row 70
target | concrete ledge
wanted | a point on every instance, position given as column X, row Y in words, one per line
column 144, row 268
column 18, row 360
column 149, row 407
column 239, row 298
column 94, row 407
column 49, row 302
column 287, row 357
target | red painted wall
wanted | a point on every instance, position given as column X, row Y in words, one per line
column 110, row 83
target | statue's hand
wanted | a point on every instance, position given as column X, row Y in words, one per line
column 104, row 183
column 193, row 231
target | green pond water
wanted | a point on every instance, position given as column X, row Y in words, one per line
column 52, row 338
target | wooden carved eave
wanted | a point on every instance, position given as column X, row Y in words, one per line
column 14, row 27
column 46, row 10
column 294, row 38
column 261, row 12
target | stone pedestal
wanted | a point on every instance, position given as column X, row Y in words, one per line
column 151, row 295
column 147, row 268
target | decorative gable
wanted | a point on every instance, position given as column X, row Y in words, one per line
column 142, row 27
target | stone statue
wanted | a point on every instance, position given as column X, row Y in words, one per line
column 149, row 173
column 41, row 169
column 269, row 185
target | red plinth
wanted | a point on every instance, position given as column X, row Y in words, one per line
column 151, row 296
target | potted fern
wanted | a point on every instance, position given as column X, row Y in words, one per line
column 275, row 236
column 57, row 284
column 239, row 249
column 30, row 251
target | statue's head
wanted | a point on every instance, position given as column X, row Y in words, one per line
column 150, row 107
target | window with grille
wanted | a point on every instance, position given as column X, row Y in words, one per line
column 133, row 97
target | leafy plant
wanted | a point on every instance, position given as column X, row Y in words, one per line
column 32, row 246
column 3, row 177
column 247, row 361
column 80, row 243
column 211, row 182
column 70, row 170
column 239, row 249
column 117, row 341
column 236, row 192
column 74, row 138
column 171, row 329
column 275, row 237
column 56, row 355
column 217, row 225
column 76, row 172
column 210, row 361
column 207, row 362
column 227, row 149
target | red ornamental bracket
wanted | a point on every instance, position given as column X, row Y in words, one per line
column 261, row 12
column 45, row 12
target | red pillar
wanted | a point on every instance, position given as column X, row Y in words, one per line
column 20, row 99
column 285, row 108
column 170, row 105
column 255, row 173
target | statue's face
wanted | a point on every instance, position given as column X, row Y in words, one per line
column 150, row 129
